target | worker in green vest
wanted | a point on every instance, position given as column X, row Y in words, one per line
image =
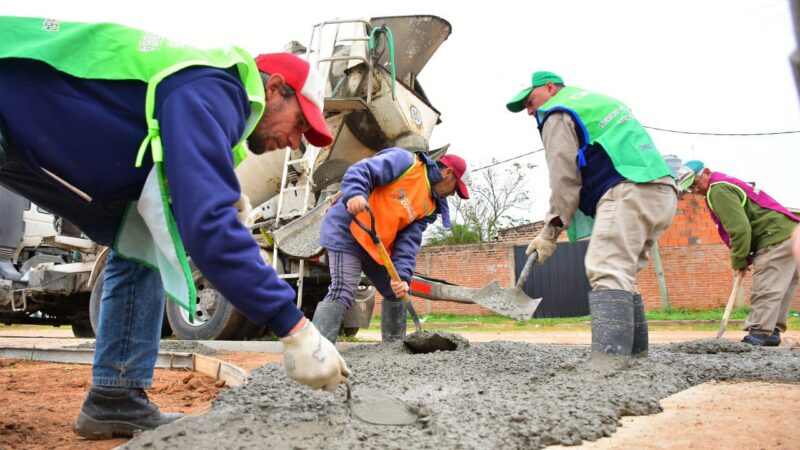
column 134, row 139
column 603, row 165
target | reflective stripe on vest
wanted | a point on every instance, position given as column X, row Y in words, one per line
column 148, row 233
column 396, row 205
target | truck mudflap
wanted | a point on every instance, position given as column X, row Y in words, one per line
column 434, row 289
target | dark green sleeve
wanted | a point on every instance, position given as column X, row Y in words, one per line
column 727, row 204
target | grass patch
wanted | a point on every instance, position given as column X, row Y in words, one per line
column 452, row 322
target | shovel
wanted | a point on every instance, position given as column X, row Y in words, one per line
column 729, row 307
column 419, row 341
column 511, row 302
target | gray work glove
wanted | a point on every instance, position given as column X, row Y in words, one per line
column 312, row 360
column 544, row 246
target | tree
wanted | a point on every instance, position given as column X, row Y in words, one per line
column 494, row 198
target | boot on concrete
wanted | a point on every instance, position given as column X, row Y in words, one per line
column 612, row 328
column 640, row 335
column 393, row 320
column 774, row 339
column 756, row 339
column 111, row 411
column 328, row 318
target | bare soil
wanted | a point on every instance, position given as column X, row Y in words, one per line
column 41, row 400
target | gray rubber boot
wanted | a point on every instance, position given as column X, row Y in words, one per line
column 393, row 320
column 110, row 411
column 328, row 319
column 640, row 339
column 612, row 328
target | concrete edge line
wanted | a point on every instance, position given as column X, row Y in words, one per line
column 232, row 374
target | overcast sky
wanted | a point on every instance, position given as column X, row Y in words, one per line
column 716, row 66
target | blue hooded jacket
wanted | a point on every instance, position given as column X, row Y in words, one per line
column 360, row 179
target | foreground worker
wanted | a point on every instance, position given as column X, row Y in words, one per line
column 603, row 163
column 758, row 231
column 406, row 192
column 85, row 109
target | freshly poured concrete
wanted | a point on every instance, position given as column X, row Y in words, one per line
column 487, row 396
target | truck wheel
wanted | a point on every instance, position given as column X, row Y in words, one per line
column 94, row 309
column 215, row 318
column 82, row 327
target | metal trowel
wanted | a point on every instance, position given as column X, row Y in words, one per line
column 510, row 302
column 377, row 408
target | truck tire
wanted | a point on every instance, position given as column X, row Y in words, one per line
column 94, row 309
column 82, row 327
column 215, row 319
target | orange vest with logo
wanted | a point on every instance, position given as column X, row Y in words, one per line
column 396, row 205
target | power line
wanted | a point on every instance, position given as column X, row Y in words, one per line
column 699, row 133
column 722, row 134
column 507, row 160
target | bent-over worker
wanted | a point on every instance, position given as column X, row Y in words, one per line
column 134, row 139
column 406, row 192
column 758, row 231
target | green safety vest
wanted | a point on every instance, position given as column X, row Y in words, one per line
column 105, row 51
column 608, row 122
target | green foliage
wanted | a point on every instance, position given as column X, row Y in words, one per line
column 494, row 198
column 459, row 233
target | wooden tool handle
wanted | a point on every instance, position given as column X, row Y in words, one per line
column 729, row 307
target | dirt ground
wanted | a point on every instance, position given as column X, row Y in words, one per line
column 41, row 400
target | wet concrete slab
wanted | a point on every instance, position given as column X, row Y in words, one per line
column 490, row 395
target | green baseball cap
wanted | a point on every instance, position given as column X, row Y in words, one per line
column 537, row 79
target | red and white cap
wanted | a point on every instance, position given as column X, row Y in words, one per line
column 310, row 87
column 459, row 168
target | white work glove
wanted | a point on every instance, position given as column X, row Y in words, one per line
column 544, row 246
column 243, row 209
column 312, row 360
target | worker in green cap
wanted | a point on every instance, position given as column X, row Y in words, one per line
column 603, row 165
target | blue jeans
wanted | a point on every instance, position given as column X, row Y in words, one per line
column 345, row 272
column 129, row 328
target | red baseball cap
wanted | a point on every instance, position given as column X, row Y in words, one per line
column 459, row 168
column 309, row 86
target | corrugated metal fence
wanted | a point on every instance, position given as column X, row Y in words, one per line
column 561, row 282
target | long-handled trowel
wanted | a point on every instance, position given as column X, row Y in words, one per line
column 510, row 302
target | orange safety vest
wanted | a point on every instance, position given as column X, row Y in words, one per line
column 396, row 205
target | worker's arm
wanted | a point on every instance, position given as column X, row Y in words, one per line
column 364, row 176
column 561, row 151
column 202, row 114
column 727, row 203
column 406, row 246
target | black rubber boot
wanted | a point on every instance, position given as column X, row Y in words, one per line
column 110, row 411
column 640, row 338
column 393, row 320
column 612, row 328
column 328, row 319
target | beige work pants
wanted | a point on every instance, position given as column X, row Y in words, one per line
column 774, row 282
column 630, row 218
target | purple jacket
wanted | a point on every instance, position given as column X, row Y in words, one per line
column 360, row 179
column 756, row 195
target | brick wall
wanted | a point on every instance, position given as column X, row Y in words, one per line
column 695, row 261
